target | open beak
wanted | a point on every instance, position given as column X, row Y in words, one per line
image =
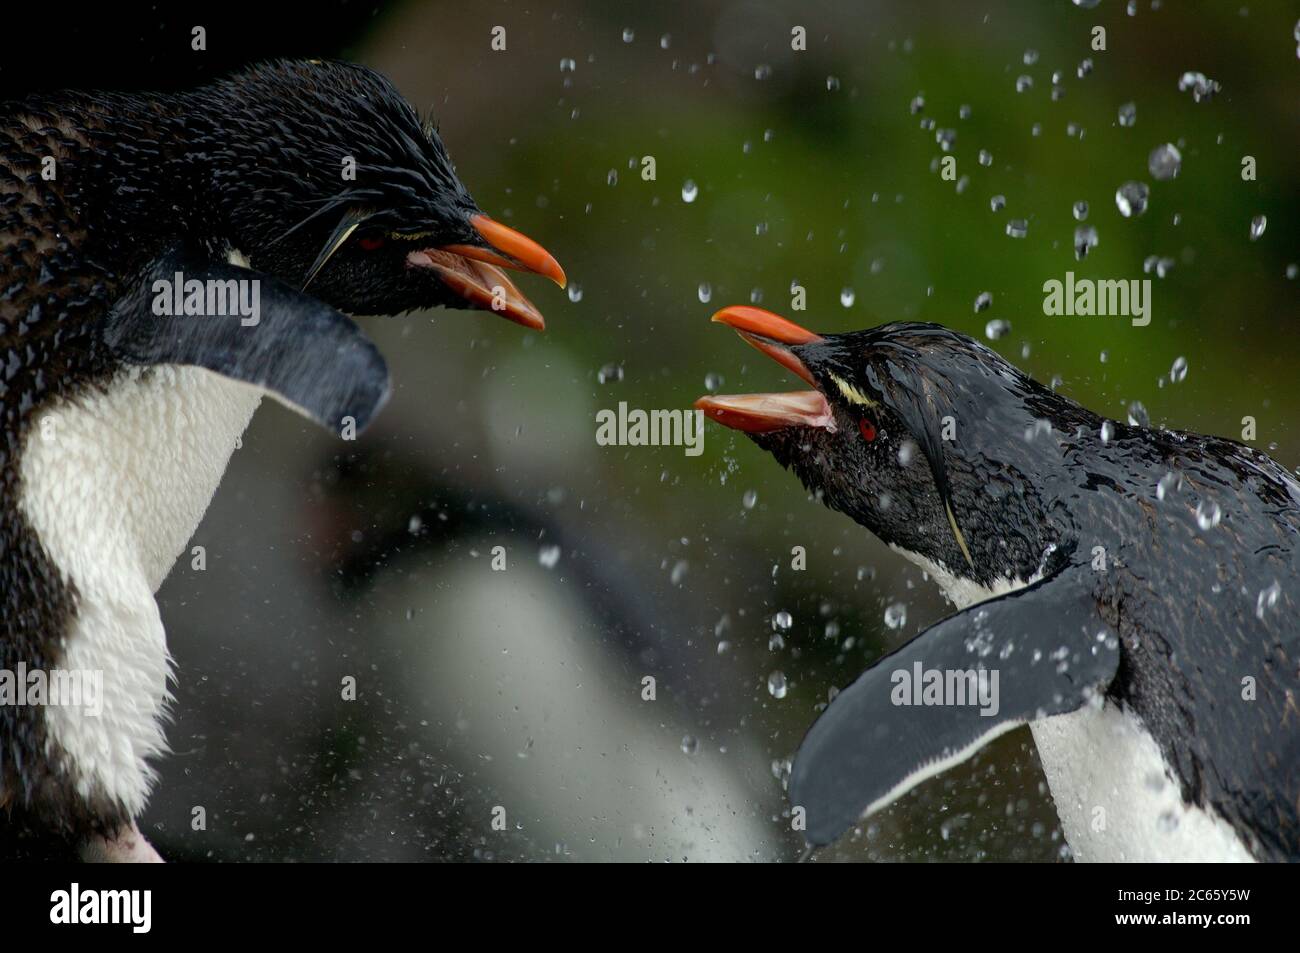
column 763, row 413
column 474, row 272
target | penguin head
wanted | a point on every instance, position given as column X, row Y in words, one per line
column 323, row 175
column 922, row 435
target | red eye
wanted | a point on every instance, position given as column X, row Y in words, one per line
column 868, row 429
column 370, row 244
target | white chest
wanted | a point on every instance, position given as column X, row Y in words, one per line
column 117, row 481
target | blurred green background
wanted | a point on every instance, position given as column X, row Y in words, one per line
column 522, row 690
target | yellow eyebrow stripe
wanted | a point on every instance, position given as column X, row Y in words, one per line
column 956, row 531
column 851, row 393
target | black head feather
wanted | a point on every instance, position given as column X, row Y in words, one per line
column 307, row 158
column 938, row 475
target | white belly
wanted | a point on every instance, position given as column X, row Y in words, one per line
column 1116, row 797
column 114, row 483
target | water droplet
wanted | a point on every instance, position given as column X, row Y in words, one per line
column 1137, row 415
column 762, row 71
column 1257, row 226
column 1128, row 114
column 1084, row 69
column 1161, row 266
column 963, row 111
column 1085, row 240
column 690, row 744
column 1167, row 822
column 775, row 642
column 1168, row 483
column 548, row 556
column 777, row 686
column 1107, row 431
column 689, row 191
column 916, row 105
column 1178, row 373
column 986, row 158
column 1086, row 4
column 712, row 382
column 896, row 615
column 575, row 292
column 1080, row 210
column 782, row 621
column 1018, row 228
column 1023, row 83
column 982, row 301
column 1201, row 86
column 611, row 178
column 847, row 297
column 1208, row 514
column 414, row 525
column 1104, row 357
column 705, row 292
column 906, row 453
column 1164, row 162
column 997, row 329
column 567, row 65
column 665, row 41
column 1030, row 57
column 1131, row 198
column 628, row 35
column 832, row 83
column 749, row 499
column 945, row 138
column 998, row 203
column 1267, row 599
column 609, row 373
column 1038, row 428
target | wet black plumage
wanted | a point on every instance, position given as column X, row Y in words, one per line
column 1182, row 549
column 143, row 184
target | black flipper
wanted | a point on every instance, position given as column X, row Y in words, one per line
column 312, row 357
column 865, row 751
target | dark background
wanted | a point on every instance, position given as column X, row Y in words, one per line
column 522, row 689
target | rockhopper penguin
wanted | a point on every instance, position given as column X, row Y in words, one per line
column 164, row 261
column 1132, row 589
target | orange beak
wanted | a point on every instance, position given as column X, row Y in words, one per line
column 763, row 413
column 475, row 273
column 510, row 249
